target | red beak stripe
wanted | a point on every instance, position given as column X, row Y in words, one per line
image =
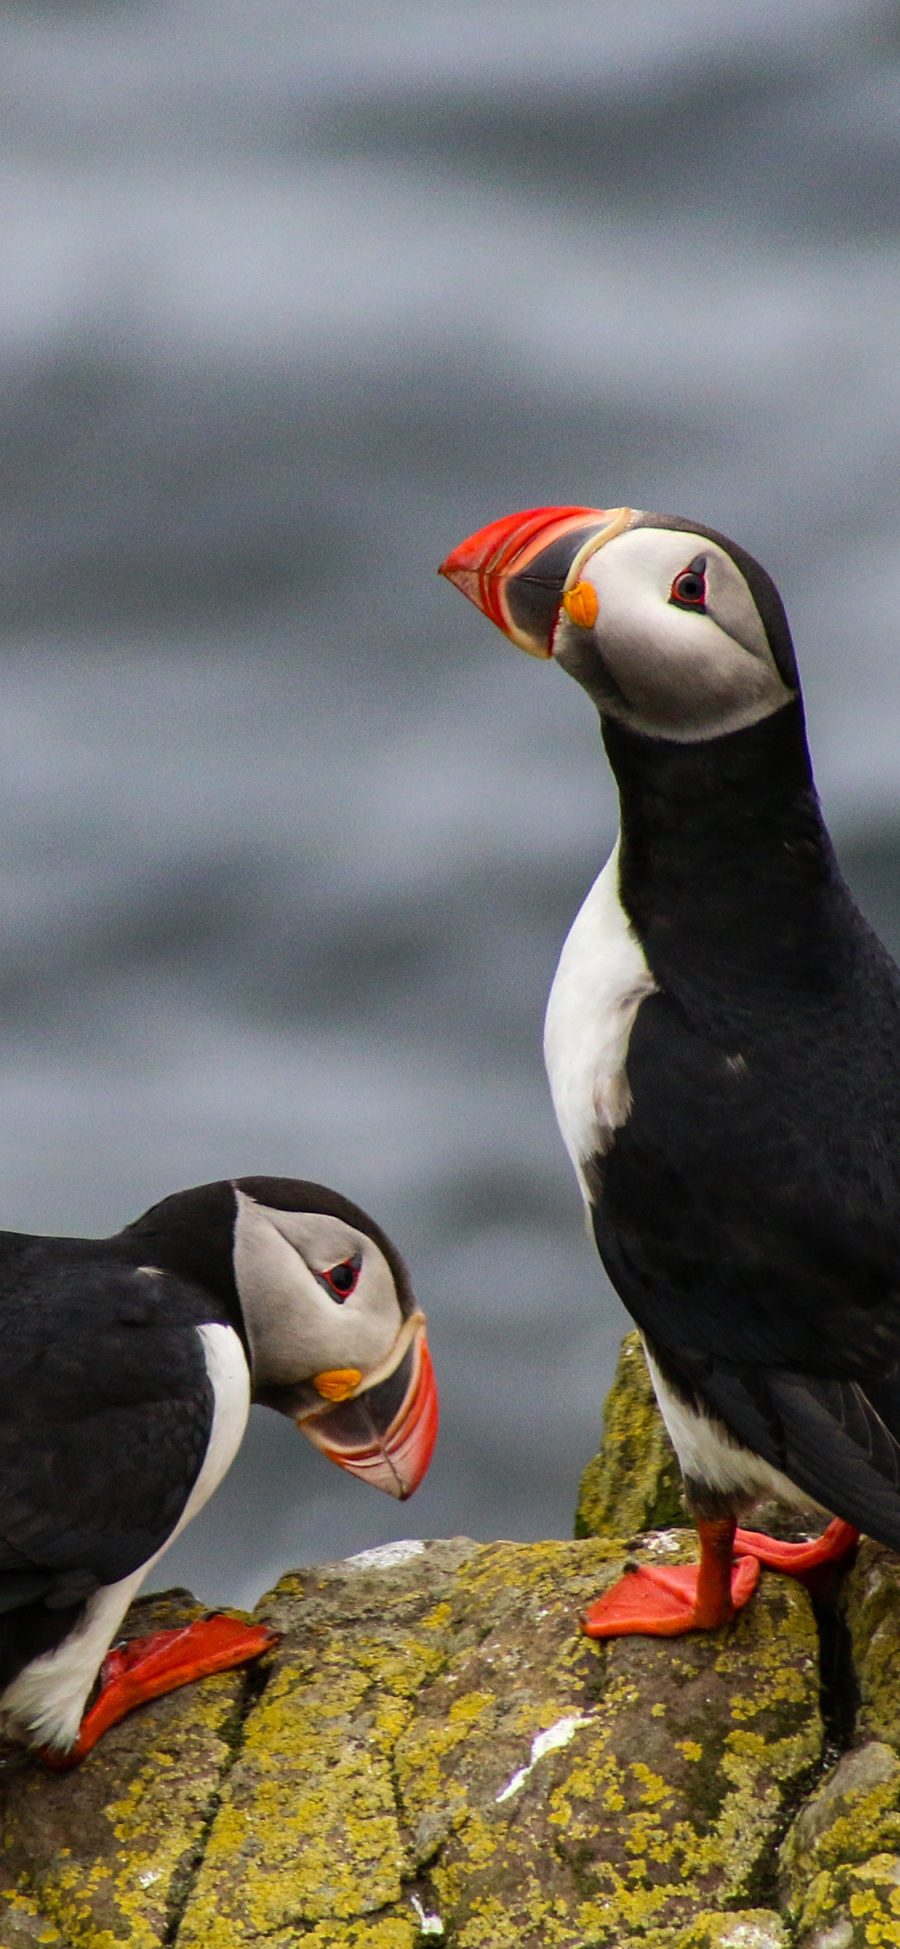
column 385, row 1433
column 515, row 569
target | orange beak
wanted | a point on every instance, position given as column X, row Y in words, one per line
column 385, row 1430
column 517, row 570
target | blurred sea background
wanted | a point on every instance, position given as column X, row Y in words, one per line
column 293, row 297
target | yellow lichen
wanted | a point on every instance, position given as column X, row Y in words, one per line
column 114, row 1885
column 633, row 1483
column 21, row 1921
column 439, row 1618
column 872, row 1610
column 387, row 1932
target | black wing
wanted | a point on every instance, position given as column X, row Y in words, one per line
column 750, row 1221
column 106, row 1409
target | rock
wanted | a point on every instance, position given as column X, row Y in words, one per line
column 99, row 1856
column 840, row 1861
column 434, row 1754
column 633, row 1483
column 871, row 1613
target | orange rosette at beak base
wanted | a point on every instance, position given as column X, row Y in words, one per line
column 384, row 1430
column 517, row 569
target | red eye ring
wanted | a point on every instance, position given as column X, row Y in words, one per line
column 688, row 590
column 343, row 1279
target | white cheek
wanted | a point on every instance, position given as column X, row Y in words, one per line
column 680, row 674
column 366, row 1330
column 294, row 1327
column 279, row 1299
column 651, row 645
column 636, row 619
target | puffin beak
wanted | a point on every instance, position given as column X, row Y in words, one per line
column 381, row 1426
column 519, row 570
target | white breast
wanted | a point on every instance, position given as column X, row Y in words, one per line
column 599, row 985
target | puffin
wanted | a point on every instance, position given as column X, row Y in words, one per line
column 722, row 1041
column 129, row 1367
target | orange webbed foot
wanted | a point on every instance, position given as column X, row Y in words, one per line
column 146, row 1668
column 664, row 1601
column 659, row 1601
column 835, row 1544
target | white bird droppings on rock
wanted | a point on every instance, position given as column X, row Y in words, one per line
column 386, row 1555
column 665, row 1542
column 757, row 1935
column 543, row 1742
column 429, row 1923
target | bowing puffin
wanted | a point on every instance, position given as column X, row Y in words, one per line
column 129, row 1366
column 723, row 1047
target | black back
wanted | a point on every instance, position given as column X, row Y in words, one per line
column 105, row 1415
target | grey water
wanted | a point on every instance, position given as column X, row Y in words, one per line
column 291, row 299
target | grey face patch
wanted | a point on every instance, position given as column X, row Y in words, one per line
column 763, row 591
column 295, row 1325
column 684, row 673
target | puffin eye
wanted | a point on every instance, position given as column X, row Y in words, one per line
column 688, row 590
column 341, row 1279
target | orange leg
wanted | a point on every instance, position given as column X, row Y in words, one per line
column 660, row 1601
column 145, row 1668
column 838, row 1541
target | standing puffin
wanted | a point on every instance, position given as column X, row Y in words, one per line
column 129, row 1365
column 723, row 1046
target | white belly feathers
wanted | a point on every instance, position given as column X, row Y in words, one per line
column 599, row 985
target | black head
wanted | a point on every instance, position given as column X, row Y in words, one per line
column 194, row 1232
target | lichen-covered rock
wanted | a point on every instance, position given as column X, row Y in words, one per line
column 24, row 1928
column 840, row 1862
column 871, row 1610
column 437, row 1752
column 756, row 1928
column 644, row 1784
column 98, row 1857
column 854, row 1814
column 434, row 1754
column 633, row 1483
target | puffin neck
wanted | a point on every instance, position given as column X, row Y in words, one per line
column 192, row 1235
column 725, row 860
